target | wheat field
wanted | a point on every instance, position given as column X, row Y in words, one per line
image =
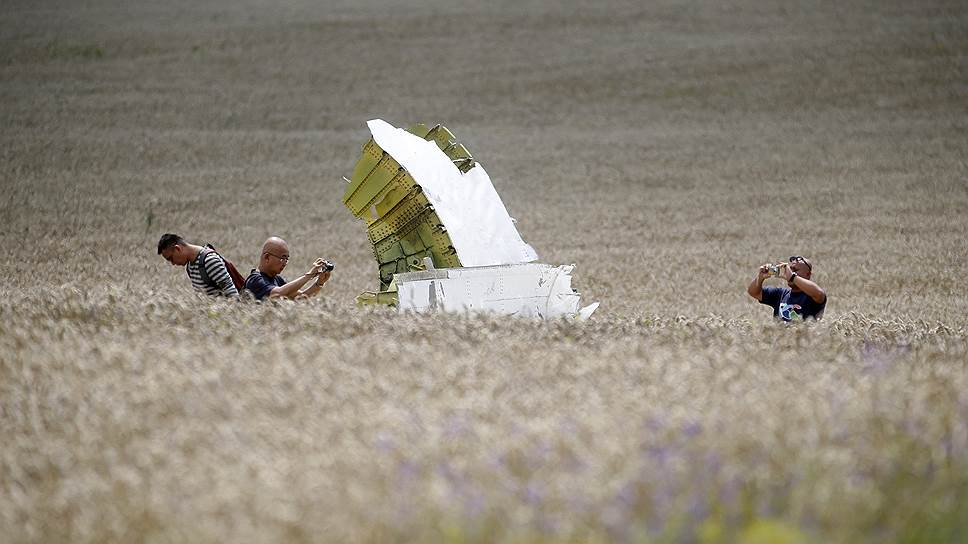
column 667, row 149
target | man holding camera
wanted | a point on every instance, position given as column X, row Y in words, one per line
column 266, row 282
column 802, row 298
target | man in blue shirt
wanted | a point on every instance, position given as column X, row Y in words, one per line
column 266, row 281
column 802, row 298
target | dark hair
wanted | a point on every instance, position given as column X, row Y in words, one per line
column 168, row 240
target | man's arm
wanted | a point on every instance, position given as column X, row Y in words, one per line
column 313, row 289
column 811, row 289
column 217, row 272
column 291, row 289
column 755, row 288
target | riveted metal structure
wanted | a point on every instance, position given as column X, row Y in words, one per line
column 400, row 221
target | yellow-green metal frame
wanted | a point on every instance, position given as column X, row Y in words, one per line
column 400, row 221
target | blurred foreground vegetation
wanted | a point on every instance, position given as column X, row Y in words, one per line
column 204, row 421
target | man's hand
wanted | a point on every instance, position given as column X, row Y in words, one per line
column 785, row 271
column 318, row 266
column 755, row 288
column 320, row 272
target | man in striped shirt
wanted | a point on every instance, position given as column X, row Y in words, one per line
column 214, row 280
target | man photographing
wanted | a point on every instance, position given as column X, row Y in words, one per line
column 802, row 298
column 266, row 281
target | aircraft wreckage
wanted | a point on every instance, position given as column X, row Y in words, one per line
column 441, row 235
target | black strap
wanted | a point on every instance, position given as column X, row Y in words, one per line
column 200, row 262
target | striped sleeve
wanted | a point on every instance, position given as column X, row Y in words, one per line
column 219, row 275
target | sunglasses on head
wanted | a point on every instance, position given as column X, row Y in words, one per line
column 800, row 258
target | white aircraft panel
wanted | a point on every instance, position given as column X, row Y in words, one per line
column 475, row 217
column 526, row 290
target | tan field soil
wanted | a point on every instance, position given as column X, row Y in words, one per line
column 666, row 148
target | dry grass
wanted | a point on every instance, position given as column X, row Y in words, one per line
column 667, row 150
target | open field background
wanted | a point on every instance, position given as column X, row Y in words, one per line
column 667, row 149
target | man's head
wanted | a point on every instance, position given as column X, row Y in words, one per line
column 275, row 256
column 801, row 266
column 174, row 249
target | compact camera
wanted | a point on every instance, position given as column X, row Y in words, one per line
column 328, row 266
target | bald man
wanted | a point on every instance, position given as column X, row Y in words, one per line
column 266, row 282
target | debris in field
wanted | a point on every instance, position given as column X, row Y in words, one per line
column 441, row 235
column 526, row 290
